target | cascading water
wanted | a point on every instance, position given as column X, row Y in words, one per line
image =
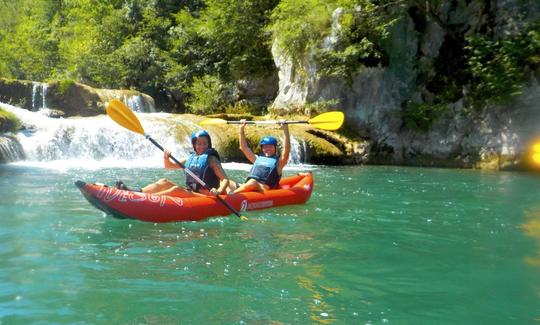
column 44, row 95
column 298, row 151
column 97, row 142
column 10, row 149
column 139, row 104
column 39, row 96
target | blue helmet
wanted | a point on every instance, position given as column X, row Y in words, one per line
column 202, row 133
column 268, row 140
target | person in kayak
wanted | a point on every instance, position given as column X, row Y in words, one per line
column 204, row 162
column 267, row 165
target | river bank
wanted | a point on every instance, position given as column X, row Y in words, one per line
column 498, row 140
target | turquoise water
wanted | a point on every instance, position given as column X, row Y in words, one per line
column 374, row 245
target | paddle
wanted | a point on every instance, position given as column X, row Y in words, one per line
column 122, row 115
column 326, row 121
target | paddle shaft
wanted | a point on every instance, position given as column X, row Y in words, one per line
column 190, row 173
column 268, row 122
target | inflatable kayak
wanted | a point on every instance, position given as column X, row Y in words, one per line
column 163, row 208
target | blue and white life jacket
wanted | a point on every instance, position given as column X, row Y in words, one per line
column 265, row 171
column 199, row 165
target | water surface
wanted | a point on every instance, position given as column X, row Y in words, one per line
column 374, row 245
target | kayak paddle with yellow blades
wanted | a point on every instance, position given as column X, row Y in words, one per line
column 330, row 121
column 122, row 115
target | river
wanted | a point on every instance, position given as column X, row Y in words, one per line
column 374, row 245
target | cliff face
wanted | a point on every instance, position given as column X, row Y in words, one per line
column 496, row 137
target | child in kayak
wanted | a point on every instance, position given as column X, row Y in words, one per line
column 204, row 162
column 267, row 165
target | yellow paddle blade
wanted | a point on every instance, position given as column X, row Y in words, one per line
column 122, row 115
column 328, row 121
column 213, row 121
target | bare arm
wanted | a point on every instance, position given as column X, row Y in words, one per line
column 168, row 163
column 286, row 147
column 215, row 164
column 243, row 144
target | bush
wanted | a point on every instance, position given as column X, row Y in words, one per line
column 321, row 106
column 300, row 25
column 64, row 85
column 244, row 107
column 499, row 67
column 208, row 95
column 420, row 116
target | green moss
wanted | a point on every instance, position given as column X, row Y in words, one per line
column 420, row 116
column 64, row 85
column 8, row 122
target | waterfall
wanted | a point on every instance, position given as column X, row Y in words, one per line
column 97, row 142
column 10, row 149
column 35, row 86
column 298, row 151
column 94, row 142
column 138, row 104
column 44, row 95
column 39, row 95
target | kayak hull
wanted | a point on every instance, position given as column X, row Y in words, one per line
column 124, row 204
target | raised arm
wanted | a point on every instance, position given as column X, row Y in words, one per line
column 244, row 145
column 168, row 163
column 286, row 146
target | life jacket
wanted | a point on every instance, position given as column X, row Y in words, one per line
column 264, row 170
column 199, row 165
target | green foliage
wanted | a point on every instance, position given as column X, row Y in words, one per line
column 236, row 39
column 345, row 62
column 64, row 85
column 420, row 116
column 191, row 49
column 299, row 25
column 359, row 38
column 321, row 106
column 498, row 67
column 243, row 108
column 208, row 95
column 157, row 46
column 27, row 47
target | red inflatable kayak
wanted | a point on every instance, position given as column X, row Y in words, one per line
column 163, row 208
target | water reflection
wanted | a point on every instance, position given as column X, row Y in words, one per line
column 321, row 311
column 531, row 228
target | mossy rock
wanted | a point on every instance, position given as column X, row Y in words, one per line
column 8, row 122
column 16, row 92
column 232, row 117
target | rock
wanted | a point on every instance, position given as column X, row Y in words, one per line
column 16, row 92
column 74, row 99
column 81, row 100
column 497, row 138
column 8, row 122
column 258, row 92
